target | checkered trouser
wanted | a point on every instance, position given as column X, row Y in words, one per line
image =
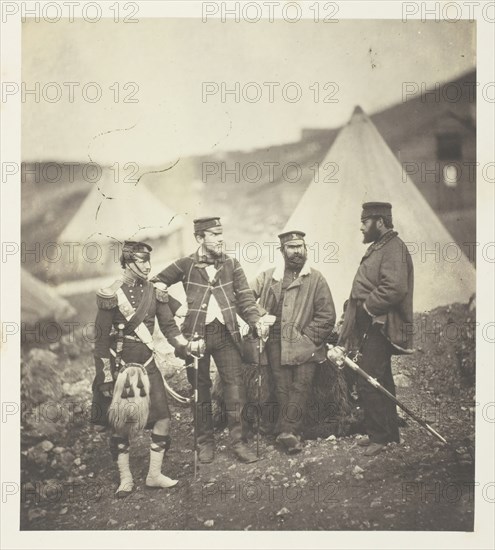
column 221, row 346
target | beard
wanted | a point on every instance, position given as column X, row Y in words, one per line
column 372, row 235
column 296, row 261
column 214, row 250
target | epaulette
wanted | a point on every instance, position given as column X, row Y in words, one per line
column 106, row 298
column 161, row 294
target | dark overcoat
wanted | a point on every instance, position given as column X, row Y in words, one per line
column 308, row 313
column 383, row 286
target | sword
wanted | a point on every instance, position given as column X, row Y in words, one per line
column 258, row 422
column 197, row 354
column 196, row 365
column 268, row 320
column 344, row 360
column 119, row 346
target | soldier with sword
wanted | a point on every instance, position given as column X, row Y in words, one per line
column 129, row 391
column 217, row 290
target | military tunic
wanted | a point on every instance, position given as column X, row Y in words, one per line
column 134, row 350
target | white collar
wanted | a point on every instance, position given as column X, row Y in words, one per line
column 278, row 274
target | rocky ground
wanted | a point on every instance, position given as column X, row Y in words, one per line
column 68, row 479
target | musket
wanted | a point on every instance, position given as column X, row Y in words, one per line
column 374, row 382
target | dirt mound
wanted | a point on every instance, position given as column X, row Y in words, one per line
column 445, row 343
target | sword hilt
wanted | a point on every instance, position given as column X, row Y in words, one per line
column 119, row 345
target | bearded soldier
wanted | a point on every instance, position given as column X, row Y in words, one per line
column 300, row 299
column 128, row 390
column 376, row 320
column 216, row 290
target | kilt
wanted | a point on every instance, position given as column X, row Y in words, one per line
column 134, row 352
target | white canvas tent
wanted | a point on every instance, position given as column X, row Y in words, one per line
column 111, row 213
column 41, row 303
column 360, row 167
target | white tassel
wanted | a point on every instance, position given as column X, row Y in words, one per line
column 129, row 415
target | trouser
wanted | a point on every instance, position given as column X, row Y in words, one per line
column 292, row 388
column 221, row 346
column 380, row 413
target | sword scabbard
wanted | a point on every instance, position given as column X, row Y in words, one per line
column 119, row 345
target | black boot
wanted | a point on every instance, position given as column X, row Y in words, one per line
column 204, row 425
column 234, row 397
column 206, row 451
column 244, row 453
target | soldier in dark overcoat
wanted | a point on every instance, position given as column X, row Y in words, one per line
column 378, row 320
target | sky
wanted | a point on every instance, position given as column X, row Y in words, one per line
column 152, row 78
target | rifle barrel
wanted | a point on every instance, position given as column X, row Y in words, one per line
column 356, row 368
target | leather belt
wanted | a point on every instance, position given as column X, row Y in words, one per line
column 132, row 338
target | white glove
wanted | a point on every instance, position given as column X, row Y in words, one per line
column 336, row 355
column 263, row 326
column 262, row 330
column 160, row 286
column 196, row 348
